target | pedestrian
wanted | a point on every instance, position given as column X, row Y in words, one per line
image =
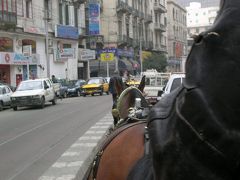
column 113, row 90
column 54, row 80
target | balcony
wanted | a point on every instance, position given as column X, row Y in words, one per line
column 148, row 18
column 135, row 12
column 159, row 7
column 160, row 48
column 160, row 27
column 8, row 20
column 149, row 45
column 122, row 7
column 141, row 15
column 122, row 39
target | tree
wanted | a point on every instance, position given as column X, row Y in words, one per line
column 155, row 61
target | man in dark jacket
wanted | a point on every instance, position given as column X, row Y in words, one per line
column 114, row 82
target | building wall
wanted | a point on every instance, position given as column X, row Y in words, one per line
column 177, row 35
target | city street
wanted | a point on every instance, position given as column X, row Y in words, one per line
column 32, row 139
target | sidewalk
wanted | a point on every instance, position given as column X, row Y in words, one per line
column 73, row 163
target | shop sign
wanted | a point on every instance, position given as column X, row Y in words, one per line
column 66, row 53
column 125, row 53
column 18, row 58
column 87, row 54
column 35, row 30
column 69, row 32
column 107, row 54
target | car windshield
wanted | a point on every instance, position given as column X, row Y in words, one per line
column 94, row 81
column 30, row 85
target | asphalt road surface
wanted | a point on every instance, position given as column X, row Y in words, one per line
column 32, row 139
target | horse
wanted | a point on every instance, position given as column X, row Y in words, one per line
column 131, row 110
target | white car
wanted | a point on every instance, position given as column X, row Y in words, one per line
column 5, row 93
column 33, row 93
column 174, row 82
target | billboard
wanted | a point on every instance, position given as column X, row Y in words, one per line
column 94, row 19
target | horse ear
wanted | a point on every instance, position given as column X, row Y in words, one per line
column 142, row 84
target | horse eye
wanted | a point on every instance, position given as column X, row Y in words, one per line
column 197, row 39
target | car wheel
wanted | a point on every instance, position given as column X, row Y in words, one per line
column 54, row 101
column 15, row 108
column 1, row 106
column 92, row 94
column 101, row 93
column 78, row 93
column 65, row 95
column 42, row 102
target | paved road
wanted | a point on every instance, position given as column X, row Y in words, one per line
column 31, row 140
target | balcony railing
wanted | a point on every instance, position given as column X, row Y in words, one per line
column 159, row 7
column 122, row 6
column 8, row 20
column 160, row 27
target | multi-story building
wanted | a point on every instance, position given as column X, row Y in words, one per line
column 129, row 26
column 199, row 19
column 205, row 3
column 177, row 35
column 40, row 38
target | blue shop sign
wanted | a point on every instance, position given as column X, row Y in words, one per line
column 68, row 32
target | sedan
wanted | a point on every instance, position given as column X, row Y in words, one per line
column 5, row 93
column 96, row 85
column 74, row 87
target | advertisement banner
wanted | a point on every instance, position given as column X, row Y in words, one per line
column 86, row 54
column 94, row 19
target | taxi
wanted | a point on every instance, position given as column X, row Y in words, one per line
column 95, row 85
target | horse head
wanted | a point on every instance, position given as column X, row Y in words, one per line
column 128, row 97
column 195, row 131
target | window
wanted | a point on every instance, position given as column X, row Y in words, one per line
column 29, row 8
column 6, row 44
column 30, row 42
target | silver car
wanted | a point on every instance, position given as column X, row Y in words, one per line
column 5, row 93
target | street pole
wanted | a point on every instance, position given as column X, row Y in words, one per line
column 47, row 52
column 140, row 56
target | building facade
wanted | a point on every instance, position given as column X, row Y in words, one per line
column 199, row 19
column 40, row 38
column 205, row 3
column 177, row 36
column 129, row 27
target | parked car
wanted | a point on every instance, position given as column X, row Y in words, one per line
column 13, row 88
column 63, row 88
column 75, row 87
column 95, row 85
column 33, row 93
column 175, row 81
column 5, row 93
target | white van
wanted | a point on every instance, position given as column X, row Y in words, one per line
column 174, row 81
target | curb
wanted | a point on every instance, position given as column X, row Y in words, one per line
column 74, row 163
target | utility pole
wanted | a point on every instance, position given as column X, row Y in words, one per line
column 140, row 53
column 47, row 19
